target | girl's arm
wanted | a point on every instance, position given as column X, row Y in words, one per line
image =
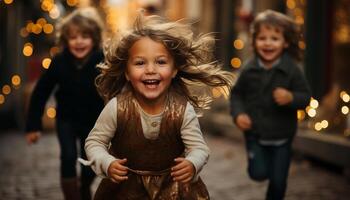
column 196, row 149
column 97, row 143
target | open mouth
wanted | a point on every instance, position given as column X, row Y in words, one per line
column 268, row 51
column 151, row 83
column 80, row 50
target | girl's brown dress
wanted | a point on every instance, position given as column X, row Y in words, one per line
column 149, row 161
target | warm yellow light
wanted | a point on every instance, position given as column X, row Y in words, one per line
column 46, row 63
column 238, row 44
column 41, row 21
column 6, row 89
column 291, row 4
column 27, row 50
column 16, row 80
column 236, row 63
column 2, row 99
column 54, row 13
column 37, row 28
column 72, row 2
column 318, row 126
column 311, row 112
column 48, row 28
column 301, row 45
column 346, row 98
column 47, row 5
column 324, row 123
column 314, row 103
column 51, row 112
column 53, row 51
column 299, row 20
column 23, row 32
column 342, row 93
column 8, row 1
column 29, row 27
column 301, row 115
column 345, row 110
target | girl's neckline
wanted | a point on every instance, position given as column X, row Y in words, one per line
column 151, row 114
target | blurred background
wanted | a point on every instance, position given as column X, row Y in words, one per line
column 27, row 44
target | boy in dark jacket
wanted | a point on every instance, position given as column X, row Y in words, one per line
column 266, row 97
column 73, row 73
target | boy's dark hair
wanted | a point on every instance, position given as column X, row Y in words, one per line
column 86, row 20
column 289, row 28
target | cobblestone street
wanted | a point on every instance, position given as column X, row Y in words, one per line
column 32, row 173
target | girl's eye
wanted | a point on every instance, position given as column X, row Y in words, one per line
column 139, row 63
column 161, row 62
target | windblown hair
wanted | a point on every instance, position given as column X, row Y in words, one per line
column 193, row 58
column 86, row 20
column 280, row 21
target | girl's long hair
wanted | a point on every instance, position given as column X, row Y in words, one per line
column 193, row 58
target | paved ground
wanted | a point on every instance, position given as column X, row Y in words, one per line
column 32, row 173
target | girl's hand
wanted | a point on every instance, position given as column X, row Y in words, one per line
column 282, row 96
column 183, row 171
column 117, row 171
column 32, row 137
column 243, row 122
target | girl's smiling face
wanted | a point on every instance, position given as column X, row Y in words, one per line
column 269, row 44
column 150, row 69
column 79, row 44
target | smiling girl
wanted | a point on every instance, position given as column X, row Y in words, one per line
column 156, row 146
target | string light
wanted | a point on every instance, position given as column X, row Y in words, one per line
column 6, row 89
column 2, row 99
column 238, row 44
column 301, row 115
column 48, row 28
column 46, row 63
column 28, row 49
column 16, row 80
column 314, row 103
column 8, row 1
column 236, row 63
column 51, row 112
column 345, row 110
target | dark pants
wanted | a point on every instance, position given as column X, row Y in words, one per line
column 266, row 162
column 67, row 137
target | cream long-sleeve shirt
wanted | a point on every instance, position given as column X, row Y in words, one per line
column 98, row 141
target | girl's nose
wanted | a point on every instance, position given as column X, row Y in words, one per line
column 150, row 68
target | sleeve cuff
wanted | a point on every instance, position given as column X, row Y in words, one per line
column 105, row 164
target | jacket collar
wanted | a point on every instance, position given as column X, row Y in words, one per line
column 284, row 65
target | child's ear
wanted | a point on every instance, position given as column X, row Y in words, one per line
column 174, row 73
column 127, row 76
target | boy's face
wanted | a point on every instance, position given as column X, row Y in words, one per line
column 269, row 44
column 79, row 44
column 150, row 69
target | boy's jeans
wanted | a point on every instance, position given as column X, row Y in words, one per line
column 269, row 163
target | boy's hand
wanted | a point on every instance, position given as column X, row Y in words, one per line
column 32, row 137
column 183, row 171
column 243, row 122
column 117, row 171
column 282, row 96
